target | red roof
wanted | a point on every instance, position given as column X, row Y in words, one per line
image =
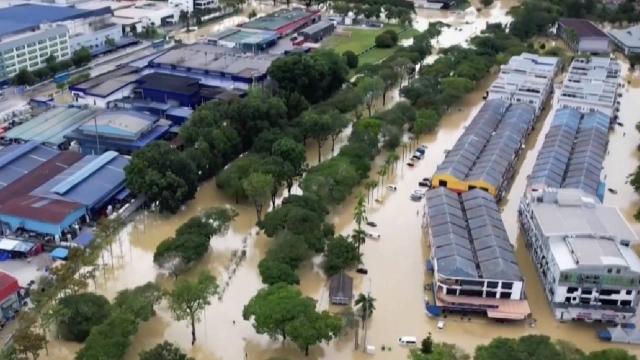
column 8, row 286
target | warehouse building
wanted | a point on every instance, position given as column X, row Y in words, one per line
column 121, row 131
column 592, row 84
column 19, row 160
column 628, row 40
column 29, row 33
column 318, row 31
column 526, row 78
column 485, row 156
column 285, row 21
column 582, row 36
column 102, row 89
column 215, row 65
column 247, row 40
column 50, row 127
column 582, row 252
column 474, row 264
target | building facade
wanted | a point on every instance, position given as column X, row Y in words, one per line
column 591, row 85
column 582, row 252
column 583, row 36
column 526, row 78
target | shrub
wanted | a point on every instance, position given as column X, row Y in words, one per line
column 384, row 41
column 351, row 59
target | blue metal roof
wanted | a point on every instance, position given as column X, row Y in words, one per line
column 85, row 238
column 91, row 181
column 19, row 159
column 60, row 253
column 28, row 16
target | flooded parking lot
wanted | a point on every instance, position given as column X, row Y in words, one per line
column 396, row 262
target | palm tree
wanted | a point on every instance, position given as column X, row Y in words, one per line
column 359, row 236
column 384, row 169
column 370, row 185
column 392, row 160
column 360, row 217
column 365, row 305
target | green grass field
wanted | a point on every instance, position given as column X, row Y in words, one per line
column 362, row 39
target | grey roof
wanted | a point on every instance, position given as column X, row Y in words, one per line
column 106, row 84
column 468, row 237
column 629, row 37
column 26, row 17
column 589, row 150
column 553, row 157
column 51, row 127
column 20, row 159
column 90, row 181
column 460, row 159
column 341, row 286
column 496, row 158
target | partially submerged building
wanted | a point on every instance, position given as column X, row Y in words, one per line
column 592, row 84
column 582, row 36
column 61, row 192
column 582, row 252
column 526, row 78
column 474, row 264
column 341, row 289
column 485, row 155
column 628, row 40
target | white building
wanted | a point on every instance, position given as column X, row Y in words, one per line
column 591, row 84
column 182, row 5
column 526, row 78
column 582, row 252
column 191, row 5
column 627, row 39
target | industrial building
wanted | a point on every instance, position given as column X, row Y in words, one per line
column 318, row 31
column 51, row 126
column 285, row 21
column 582, row 252
column 10, row 302
column 526, row 78
column 102, row 89
column 134, row 16
column 572, row 153
column 121, row 131
column 177, row 115
column 473, row 262
column 592, row 84
column 628, row 40
column 247, row 40
column 485, row 155
column 215, row 65
column 59, row 193
column 582, row 36
column 29, row 33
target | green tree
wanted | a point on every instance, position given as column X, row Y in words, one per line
column 258, row 189
column 360, row 217
column 273, row 271
column 390, row 78
column 312, row 327
column 384, row 41
column 27, row 341
column 24, row 77
column 273, row 308
column 164, row 351
column 610, row 354
column 139, row 301
column 440, row 351
column 318, row 127
column 188, row 299
column 230, row 180
column 81, row 57
column 426, row 122
column 370, row 89
column 365, row 305
column 486, row 3
column 340, row 254
column 79, row 313
column 111, row 339
column 294, row 154
column 351, row 59
column 163, row 174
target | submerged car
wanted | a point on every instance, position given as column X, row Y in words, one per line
column 417, row 195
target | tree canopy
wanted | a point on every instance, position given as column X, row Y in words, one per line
column 164, row 351
column 188, row 299
column 78, row 313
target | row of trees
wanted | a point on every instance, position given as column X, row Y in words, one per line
column 523, row 348
column 79, row 58
column 398, row 10
column 191, row 241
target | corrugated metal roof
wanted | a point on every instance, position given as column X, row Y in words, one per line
column 498, row 155
column 19, row 159
column 468, row 237
column 51, row 126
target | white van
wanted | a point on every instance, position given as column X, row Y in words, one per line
column 408, row 340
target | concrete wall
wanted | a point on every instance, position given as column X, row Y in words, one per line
column 594, row 45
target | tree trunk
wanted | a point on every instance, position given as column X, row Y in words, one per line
column 355, row 339
column 333, row 143
column 273, row 199
column 289, row 185
column 384, row 98
column 369, row 106
column 193, row 329
column 306, row 350
column 258, row 211
column 319, row 151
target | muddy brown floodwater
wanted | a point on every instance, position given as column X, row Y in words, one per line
column 395, row 262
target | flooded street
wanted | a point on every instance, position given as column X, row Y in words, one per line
column 396, row 262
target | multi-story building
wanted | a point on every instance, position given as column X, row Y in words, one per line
column 581, row 249
column 474, row 265
column 191, row 5
column 591, row 84
column 526, row 78
column 30, row 33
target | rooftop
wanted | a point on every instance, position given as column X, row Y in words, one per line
column 8, row 285
column 244, row 36
column 629, row 37
column 567, row 212
column 108, row 83
column 26, row 17
column 50, row 127
column 571, row 253
column 20, row 159
column 278, row 19
column 176, row 84
column 583, row 27
column 119, row 124
column 216, row 59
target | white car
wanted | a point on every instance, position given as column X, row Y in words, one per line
column 408, row 340
column 417, row 195
column 440, row 324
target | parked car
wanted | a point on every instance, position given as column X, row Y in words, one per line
column 373, row 235
column 408, row 340
column 425, row 182
column 362, row 271
column 417, row 195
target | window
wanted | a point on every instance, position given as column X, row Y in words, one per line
column 587, row 291
column 609, row 292
column 490, row 294
column 492, row 284
column 7, row 52
column 40, row 42
column 52, row 38
column 33, row 44
column 505, row 295
column 43, row 48
column 629, row 292
column 451, row 291
column 567, row 300
column 625, row 302
column 609, row 270
column 618, row 271
column 507, row 285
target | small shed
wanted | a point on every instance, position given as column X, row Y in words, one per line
column 9, row 301
column 60, row 254
column 341, row 289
